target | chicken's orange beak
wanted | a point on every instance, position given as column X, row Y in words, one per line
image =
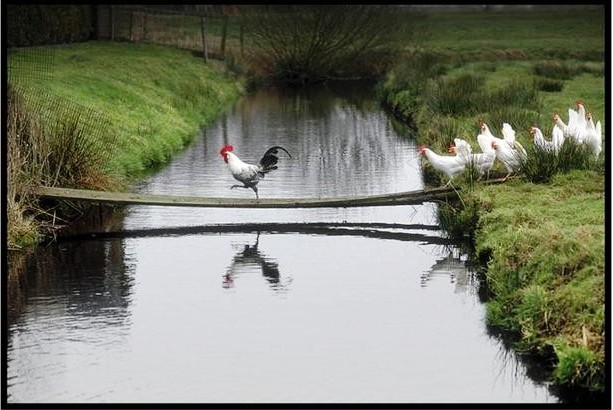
column 452, row 148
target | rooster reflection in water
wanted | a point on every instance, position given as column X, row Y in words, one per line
column 246, row 260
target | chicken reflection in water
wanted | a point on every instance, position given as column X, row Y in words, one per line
column 250, row 258
column 454, row 267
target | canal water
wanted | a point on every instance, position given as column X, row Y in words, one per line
column 189, row 305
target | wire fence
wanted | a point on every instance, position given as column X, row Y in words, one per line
column 82, row 129
column 211, row 35
column 60, row 112
column 29, row 64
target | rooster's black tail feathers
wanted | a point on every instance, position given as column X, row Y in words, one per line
column 269, row 160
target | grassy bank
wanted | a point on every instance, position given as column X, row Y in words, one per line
column 545, row 247
column 118, row 108
column 542, row 244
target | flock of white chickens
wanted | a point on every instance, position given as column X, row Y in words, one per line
column 508, row 151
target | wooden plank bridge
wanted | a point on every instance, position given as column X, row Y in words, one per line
column 127, row 198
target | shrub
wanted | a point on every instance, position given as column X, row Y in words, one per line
column 455, row 96
column 548, row 84
column 579, row 366
column 573, row 155
column 540, row 165
column 459, row 220
column 518, row 93
column 557, row 70
column 533, row 312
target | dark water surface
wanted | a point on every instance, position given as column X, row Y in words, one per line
column 261, row 305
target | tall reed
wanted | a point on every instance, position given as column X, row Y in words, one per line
column 542, row 164
column 21, row 229
column 52, row 150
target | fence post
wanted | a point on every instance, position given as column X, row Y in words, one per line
column 241, row 40
column 112, row 23
column 132, row 26
column 224, row 31
column 145, row 27
column 203, row 39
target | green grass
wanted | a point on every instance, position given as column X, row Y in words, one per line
column 154, row 98
column 545, row 244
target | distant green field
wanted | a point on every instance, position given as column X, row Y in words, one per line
column 547, row 28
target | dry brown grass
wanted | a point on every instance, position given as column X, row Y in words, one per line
column 42, row 153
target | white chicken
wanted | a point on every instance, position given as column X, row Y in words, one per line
column 486, row 137
column 593, row 135
column 581, row 119
column 511, row 158
column 482, row 161
column 508, row 134
column 450, row 165
column 250, row 174
column 576, row 123
column 557, row 120
column 541, row 143
column 460, row 147
column 557, row 137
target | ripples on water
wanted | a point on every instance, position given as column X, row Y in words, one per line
column 260, row 305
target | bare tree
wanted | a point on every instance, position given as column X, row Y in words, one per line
column 308, row 43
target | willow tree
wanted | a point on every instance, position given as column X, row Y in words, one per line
column 306, row 43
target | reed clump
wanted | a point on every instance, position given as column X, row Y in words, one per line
column 52, row 149
column 541, row 164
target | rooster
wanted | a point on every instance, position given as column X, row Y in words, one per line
column 450, row 165
column 250, row 174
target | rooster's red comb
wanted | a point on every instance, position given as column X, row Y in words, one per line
column 226, row 148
